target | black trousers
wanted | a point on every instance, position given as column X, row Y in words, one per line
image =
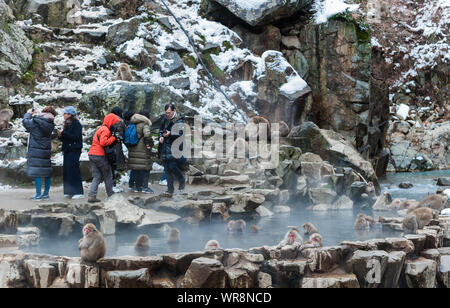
column 71, row 174
column 172, row 170
column 141, row 178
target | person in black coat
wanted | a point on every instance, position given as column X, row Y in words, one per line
column 39, row 151
column 166, row 139
column 72, row 144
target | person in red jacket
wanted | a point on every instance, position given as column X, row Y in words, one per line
column 100, row 166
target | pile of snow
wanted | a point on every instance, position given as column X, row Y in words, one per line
column 325, row 9
column 403, row 111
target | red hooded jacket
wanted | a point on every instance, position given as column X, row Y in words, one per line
column 102, row 137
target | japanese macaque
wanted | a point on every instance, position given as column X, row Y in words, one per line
column 291, row 237
column 212, row 245
column 124, row 72
column 5, row 116
column 315, row 241
column 254, row 229
column 257, row 130
column 284, row 129
column 142, row 244
column 174, row 236
column 363, row 222
column 417, row 219
column 399, row 204
column 436, row 202
column 235, row 226
column 92, row 246
column 309, row 228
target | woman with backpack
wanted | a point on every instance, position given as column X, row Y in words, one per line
column 72, row 144
column 139, row 141
column 100, row 166
column 39, row 151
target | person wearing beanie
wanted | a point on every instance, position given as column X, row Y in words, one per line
column 72, row 144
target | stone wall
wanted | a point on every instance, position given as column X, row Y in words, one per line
column 413, row 261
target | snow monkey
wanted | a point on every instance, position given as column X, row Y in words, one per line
column 370, row 189
column 315, row 241
column 363, row 222
column 399, row 204
column 257, row 120
column 124, row 72
column 417, row 219
column 92, row 246
column 174, row 236
column 309, row 228
column 142, row 244
column 291, row 237
column 212, row 245
column 5, row 117
column 254, row 229
column 235, row 226
column 435, row 202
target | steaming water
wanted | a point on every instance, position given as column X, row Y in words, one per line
column 335, row 226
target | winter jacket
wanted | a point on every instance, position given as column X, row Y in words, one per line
column 166, row 147
column 72, row 137
column 39, row 150
column 102, row 137
column 139, row 156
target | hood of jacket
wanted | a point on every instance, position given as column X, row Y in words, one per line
column 139, row 118
column 110, row 119
column 45, row 122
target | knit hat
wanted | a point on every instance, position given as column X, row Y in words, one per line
column 70, row 110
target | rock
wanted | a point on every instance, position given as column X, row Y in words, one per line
column 291, row 42
column 53, row 12
column 204, row 273
column 40, row 274
column 11, row 271
column 238, row 278
column 400, row 244
column 394, row 268
column 432, row 238
column 383, row 202
column 7, row 241
column 322, row 260
column 15, row 55
column 405, row 185
column 263, row 211
column 129, row 279
column 444, row 272
column 122, row 32
column 343, row 203
column 107, row 220
column 130, row 96
column 180, row 83
column 170, row 63
column 264, row 280
column 281, row 209
column 129, row 263
column 55, row 223
column 418, row 241
column 9, row 222
column 332, row 147
column 323, row 281
column 420, row 273
column 234, row 180
column 258, row 43
column 286, row 273
column 80, row 275
column 369, row 267
column 322, row 195
column 263, row 12
column 246, row 202
column 432, row 254
column 300, row 63
column 443, row 181
column 29, row 236
column 6, row 14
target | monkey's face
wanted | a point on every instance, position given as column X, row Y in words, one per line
column 291, row 237
column 88, row 229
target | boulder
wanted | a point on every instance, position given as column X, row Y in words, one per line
column 258, row 43
column 81, row 275
column 16, row 52
column 263, row 211
column 383, row 202
column 281, row 209
column 418, row 240
column 420, row 273
column 443, row 181
column 369, row 267
column 52, row 12
column 11, row 271
column 394, row 268
column 170, row 63
column 262, row 12
column 325, row 281
column 60, row 224
column 6, row 14
column 343, row 203
column 107, row 220
column 444, row 272
column 129, row 279
column 322, row 260
column 332, row 147
column 122, row 32
column 8, row 241
column 29, row 236
column 286, row 273
column 322, row 195
column 9, row 222
column 246, row 202
column 204, row 273
column 40, row 274
column 132, row 96
column 264, row 280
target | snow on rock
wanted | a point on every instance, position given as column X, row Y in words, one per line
column 325, row 9
column 403, row 111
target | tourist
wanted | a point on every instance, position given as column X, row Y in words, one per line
column 131, row 182
column 39, row 151
column 100, row 165
column 166, row 139
column 118, row 162
column 139, row 160
column 72, row 144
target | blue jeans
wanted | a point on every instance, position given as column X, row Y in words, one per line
column 38, row 183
